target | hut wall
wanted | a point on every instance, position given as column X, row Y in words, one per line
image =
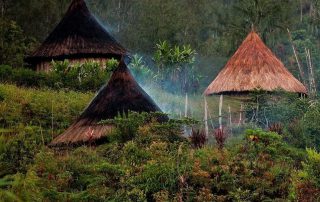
column 46, row 66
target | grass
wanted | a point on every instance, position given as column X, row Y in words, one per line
column 40, row 107
column 51, row 112
column 62, row 104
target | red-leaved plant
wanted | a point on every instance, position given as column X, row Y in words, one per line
column 277, row 128
column 198, row 138
column 220, row 135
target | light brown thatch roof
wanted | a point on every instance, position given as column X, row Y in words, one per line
column 78, row 35
column 252, row 67
column 120, row 95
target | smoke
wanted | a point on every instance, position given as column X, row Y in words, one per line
column 169, row 103
column 149, row 89
column 172, row 103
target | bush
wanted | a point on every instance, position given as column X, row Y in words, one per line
column 13, row 43
column 151, row 167
column 198, row 138
column 127, row 126
column 20, row 106
column 89, row 76
column 17, row 152
column 307, row 183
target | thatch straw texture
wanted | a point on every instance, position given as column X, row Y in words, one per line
column 120, row 95
column 253, row 67
column 78, row 35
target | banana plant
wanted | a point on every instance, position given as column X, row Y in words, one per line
column 175, row 64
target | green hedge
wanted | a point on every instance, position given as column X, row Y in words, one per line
column 80, row 77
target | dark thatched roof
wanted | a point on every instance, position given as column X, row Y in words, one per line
column 78, row 35
column 253, row 67
column 120, row 95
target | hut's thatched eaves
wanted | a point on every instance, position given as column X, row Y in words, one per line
column 120, row 95
column 78, row 35
column 253, row 67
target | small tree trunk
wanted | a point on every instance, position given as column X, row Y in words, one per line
column 301, row 11
column 257, row 110
column 220, row 111
column 312, row 83
column 240, row 116
column 297, row 59
column 230, row 116
column 206, row 117
column 2, row 8
column 119, row 15
column 186, row 106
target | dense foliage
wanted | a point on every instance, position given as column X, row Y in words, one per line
column 146, row 160
column 29, row 119
column 271, row 154
column 213, row 28
column 89, row 76
column 156, row 167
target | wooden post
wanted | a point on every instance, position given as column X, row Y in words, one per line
column 230, row 117
column 257, row 109
column 240, row 116
column 220, row 111
column 206, row 116
column 186, row 107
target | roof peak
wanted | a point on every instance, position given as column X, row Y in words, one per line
column 76, row 4
column 254, row 66
column 253, row 36
column 79, row 34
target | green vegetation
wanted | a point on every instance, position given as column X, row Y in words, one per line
column 148, row 161
column 89, row 76
column 213, row 28
column 272, row 156
column 153, row 166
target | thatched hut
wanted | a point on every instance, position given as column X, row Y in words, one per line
column 78, row 37
column 253, row 67
column 121, row 95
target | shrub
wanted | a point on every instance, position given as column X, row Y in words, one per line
column 308, row 182
column 311, row 126
column 133, row 155
column 17, row 152
column 13, row 43
column 127, row 126
column 141, row 72
column 89, row 76
column 198, row 138
column 156, row 177
column 312, row 167
column 277, row 128
column 220, row 136
column 4, row 193
column 85, row 76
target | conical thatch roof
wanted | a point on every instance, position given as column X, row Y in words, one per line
column 120, row 95
column 79, row 34
column 252, row 67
